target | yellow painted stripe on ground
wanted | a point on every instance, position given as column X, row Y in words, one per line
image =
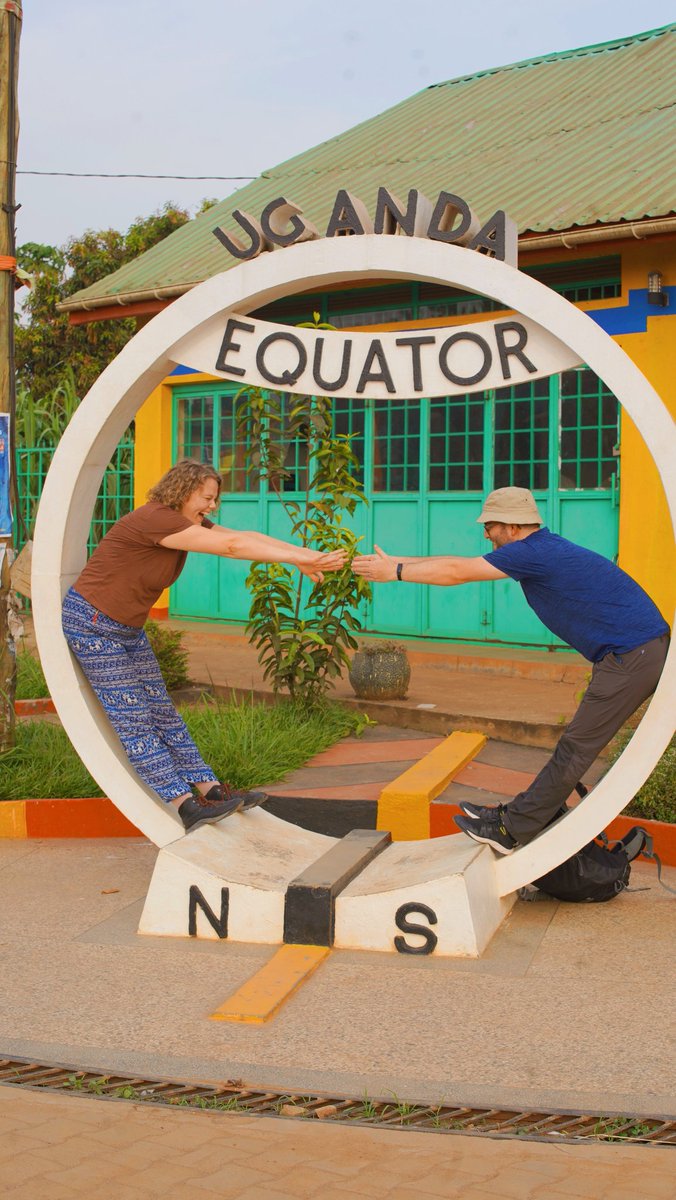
column 404, row 805
column 267, row 990
column 13, row 819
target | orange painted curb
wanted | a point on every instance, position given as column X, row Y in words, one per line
column 441, row 819
column 662, row 833
column 34, row 708
column 87, row 818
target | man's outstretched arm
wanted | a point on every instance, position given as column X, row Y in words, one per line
column 443, row 570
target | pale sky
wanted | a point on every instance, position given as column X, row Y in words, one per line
column 222, row 88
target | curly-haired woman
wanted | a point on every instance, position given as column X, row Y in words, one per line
column 105, row 611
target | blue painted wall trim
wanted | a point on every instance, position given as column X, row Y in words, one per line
column 632, row 317
column 184, row 371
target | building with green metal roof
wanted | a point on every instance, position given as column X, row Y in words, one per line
column 578, row 148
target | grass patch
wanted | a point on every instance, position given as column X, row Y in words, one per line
column 43, row 765
column 251, row 744
column 30, row 680
column 246, row 743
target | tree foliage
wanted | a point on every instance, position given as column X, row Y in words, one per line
column 303, row 633
column 47, row 346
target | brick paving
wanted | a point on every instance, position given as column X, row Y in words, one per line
column 65, row 1146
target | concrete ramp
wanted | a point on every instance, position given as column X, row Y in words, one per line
column 256, row 878
column 435, row 897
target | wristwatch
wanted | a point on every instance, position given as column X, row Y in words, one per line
column 400, row 567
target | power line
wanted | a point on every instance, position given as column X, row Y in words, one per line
column 100, row 175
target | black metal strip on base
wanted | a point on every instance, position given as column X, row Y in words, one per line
column 310, row 902
column 332, row 817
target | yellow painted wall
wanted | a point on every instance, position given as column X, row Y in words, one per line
column 646, row 535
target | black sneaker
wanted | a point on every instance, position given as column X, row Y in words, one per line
column 490, row 830
column 200, row 810
column 251, row 799
column 478, row 812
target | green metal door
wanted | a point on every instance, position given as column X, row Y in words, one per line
column 427, row 464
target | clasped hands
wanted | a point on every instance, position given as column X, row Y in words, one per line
column 378, row 567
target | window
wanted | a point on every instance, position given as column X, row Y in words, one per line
column 349, row 417
column 522, row 435
column 589, row 431
column 396, row 446
column 457, row 443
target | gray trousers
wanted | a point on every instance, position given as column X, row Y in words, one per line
column 619, row 684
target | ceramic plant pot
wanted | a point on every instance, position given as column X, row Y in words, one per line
column 380, row 671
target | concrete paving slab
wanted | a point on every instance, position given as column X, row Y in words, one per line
column 542, row 1018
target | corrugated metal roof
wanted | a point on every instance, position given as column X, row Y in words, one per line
column 578, row 138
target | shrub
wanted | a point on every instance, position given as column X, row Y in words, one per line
column 303, row 633
column 656, row 799
column 167, row 645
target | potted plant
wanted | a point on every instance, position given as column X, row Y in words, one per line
column 380, row 671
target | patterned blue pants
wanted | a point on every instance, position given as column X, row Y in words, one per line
column 124, row 673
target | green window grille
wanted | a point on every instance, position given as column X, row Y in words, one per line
column 349, row 418
column 196, row 426
column 234, row 452
column 437, row 301
column 207, row 431
column 456, row 445
column 522, row 435
column 396, row 446
column 295, row 457
column 582, row 280
column 589, row 417
column 115, row 498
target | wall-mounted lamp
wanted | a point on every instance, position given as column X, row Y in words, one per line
column 656, row 293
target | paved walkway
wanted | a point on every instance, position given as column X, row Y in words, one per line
column 551, row 1015
column 63, row 1147
column 522, row 695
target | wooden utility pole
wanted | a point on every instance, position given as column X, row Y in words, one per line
column 10, row 31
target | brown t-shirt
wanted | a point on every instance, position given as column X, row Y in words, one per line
column 129, row 569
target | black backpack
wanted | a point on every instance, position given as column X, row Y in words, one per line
column 597, row 872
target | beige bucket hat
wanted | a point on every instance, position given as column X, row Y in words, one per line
column 511, row 506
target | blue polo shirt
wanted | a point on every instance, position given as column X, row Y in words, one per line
column 581, row 596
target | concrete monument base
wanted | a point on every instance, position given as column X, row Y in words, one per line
column 256, row 878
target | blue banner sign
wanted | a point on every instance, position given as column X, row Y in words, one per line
column 5, row 511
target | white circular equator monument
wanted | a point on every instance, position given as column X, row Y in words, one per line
column 92, row 436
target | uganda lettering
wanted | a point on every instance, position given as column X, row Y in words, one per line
column 450, row 220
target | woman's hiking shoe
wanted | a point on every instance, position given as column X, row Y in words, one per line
column 251, row 799
column 200, row 810
column 477, row 812
column 490, row 830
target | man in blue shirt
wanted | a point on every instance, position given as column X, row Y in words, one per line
column 586, row 601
